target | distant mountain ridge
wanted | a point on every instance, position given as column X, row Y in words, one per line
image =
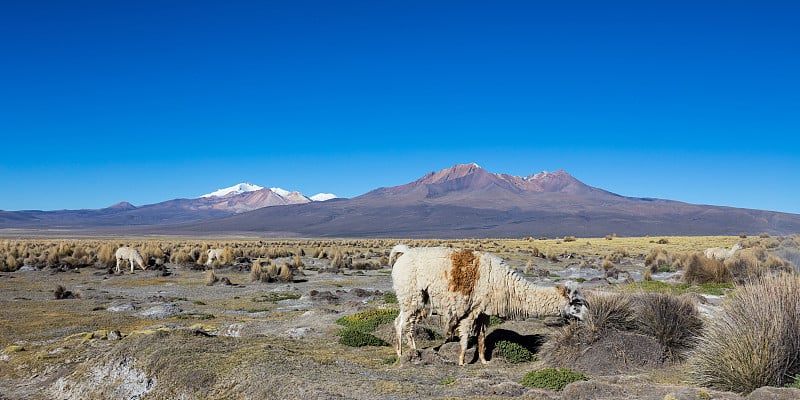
column 461, row 201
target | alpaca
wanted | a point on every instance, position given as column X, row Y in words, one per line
column 132, row 256
column 465, row 287
column 213, row 254
column 718, row 253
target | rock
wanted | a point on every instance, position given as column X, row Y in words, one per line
column 121, row 307
column 774, row 393
column 161, row 311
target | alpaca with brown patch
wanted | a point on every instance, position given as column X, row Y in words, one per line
column 465, row 287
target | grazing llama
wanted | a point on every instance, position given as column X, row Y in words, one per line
column 718, row 253
column 132, row 256
column 213, row 254
column 465, row 287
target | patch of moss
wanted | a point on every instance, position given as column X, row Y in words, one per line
column 448, row 381
column 355, row 338
column 552, row 378
column 369, row 320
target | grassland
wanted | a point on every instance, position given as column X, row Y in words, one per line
column 167, row 333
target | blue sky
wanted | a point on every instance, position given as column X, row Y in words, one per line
column 152, row 100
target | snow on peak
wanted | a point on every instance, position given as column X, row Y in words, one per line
column 279, row 191
column 235, row 189
column 323, row 196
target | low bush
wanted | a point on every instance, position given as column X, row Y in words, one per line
column 369, row 320
column 356, row 338
column 755, row 340
column 552, row 378
column 514, row 352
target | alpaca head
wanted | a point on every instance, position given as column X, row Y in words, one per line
column 737, row 246
column 575, row 308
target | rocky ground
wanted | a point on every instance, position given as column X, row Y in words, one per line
column 170, row 335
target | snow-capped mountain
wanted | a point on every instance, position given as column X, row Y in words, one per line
column 252, row 196
column 240, row 188
column 323, row 196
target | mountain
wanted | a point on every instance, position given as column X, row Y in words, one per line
column 462, row 201
column 235, row 189
column 236, row 199
column 468, row 201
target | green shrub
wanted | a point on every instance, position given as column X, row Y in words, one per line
column 755, row 339
column 796, row 383
column 356, row 338
column 514, row 352
column 390, row 298
column 552, row 378
column 369, row 320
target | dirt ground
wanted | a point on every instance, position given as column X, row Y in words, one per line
column 151, row 335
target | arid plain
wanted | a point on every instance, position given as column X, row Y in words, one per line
column 71, row 327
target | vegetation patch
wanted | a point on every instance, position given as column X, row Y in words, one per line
column 275, row 297
column 369, row 320
column 358, row 327
column 552, row 378
column 514, row 353
column 355, row 338
column 755, row 340
column 716, row 289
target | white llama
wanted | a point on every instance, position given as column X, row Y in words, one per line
column 718, row 253
column 132, row 256
column 465, row 287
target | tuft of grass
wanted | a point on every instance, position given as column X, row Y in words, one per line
column 755, row 340
column 514, row 353
column 552, row 378
column 673, row 321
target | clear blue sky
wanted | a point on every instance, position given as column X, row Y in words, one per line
column 145, row 101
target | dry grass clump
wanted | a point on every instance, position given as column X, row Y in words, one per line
column 672, row 320
column 264, row 270
column 648, row 328
column 755, row 341
column 61, row 293
column 697, row 268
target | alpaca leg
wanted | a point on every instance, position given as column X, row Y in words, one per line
column 118, row 269
column 132, row 263
column 482, row 322
column 464, row 341
column 398, row 330
column 411, row 325
column 464, row 330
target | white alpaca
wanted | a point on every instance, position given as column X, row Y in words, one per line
column 465, row 287
column 213, row 254
column 718, row 253
column 130, row 255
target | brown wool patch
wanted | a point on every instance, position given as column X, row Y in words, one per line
column 464, row 273
column 563, row 291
